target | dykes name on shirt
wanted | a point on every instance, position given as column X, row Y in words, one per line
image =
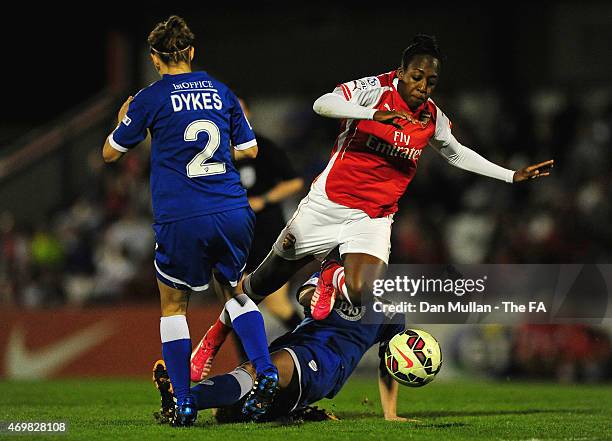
column 196, row 101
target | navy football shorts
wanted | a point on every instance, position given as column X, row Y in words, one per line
column 319, row 368
column 187, row 250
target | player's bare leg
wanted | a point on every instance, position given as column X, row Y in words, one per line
column 271, row 274
column 173, row 301
column 360, row 272
column 204, row 353
column 353, row 280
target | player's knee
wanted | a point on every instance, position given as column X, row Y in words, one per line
column 173, row 305
column 171, row 309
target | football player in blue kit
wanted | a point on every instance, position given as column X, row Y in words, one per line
column 314, row 361
column 203, row 222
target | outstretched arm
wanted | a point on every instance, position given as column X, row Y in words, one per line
column 464, row 158
column 277, row 194
column 388, row 389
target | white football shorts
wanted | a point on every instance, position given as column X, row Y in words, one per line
column 319, row 225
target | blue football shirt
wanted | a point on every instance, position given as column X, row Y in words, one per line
column 346, row 334
column 194, row 121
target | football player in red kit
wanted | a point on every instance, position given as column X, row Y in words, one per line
column 386, row 122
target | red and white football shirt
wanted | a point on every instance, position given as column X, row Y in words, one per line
column 373, row 163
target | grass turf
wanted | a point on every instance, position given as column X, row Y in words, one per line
column 115, row 409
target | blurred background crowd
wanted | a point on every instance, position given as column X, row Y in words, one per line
column 98, row 247
column 519, row 89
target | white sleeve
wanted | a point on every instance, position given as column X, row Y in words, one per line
column 461, row 156
column 353, row 100
column 333, row 105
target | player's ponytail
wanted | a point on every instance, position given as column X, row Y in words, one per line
column 421, row 44
column 171, row 40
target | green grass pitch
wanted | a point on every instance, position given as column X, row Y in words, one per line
column 122, row 410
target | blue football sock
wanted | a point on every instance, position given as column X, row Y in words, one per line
column 222, row 390
column 248, row 325
column 176, row 350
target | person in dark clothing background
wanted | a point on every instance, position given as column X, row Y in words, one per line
column 269, row 180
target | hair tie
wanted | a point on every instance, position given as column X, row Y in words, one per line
column 169, row 53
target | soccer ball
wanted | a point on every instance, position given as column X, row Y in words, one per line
column 413, row 357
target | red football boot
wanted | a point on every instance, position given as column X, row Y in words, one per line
column 324, row 296
column 203, row 355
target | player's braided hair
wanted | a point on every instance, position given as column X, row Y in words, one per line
column 171, row 40
column 421, row 44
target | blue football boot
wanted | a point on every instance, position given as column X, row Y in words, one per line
column 186, row 413
column 262, row 394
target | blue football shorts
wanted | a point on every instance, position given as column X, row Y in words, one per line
column 186, row 251
column 320, row 369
